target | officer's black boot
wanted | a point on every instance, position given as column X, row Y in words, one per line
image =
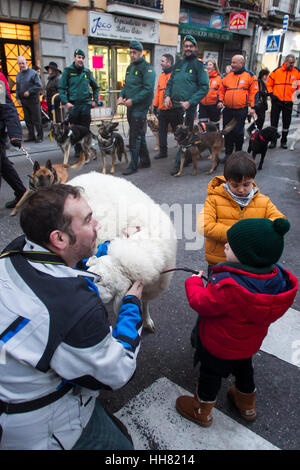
column 163, row 153
column 133, row 166
column 283, row 142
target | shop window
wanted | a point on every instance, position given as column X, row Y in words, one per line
column 21, row 32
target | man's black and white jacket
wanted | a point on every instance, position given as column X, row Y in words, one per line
column 54, row 328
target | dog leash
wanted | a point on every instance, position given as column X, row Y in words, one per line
column 26, row 155
column 188, row 270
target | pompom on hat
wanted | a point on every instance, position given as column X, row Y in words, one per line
column 258, row 242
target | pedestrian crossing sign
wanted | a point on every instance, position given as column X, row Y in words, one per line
column 273, row 42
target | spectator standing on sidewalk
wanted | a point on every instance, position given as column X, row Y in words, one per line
column 208, row 110
column 166, row 116
column 282, row 84
column 262, row 102
column 28, row 90
column 54, row 75
column 238, row 92
column 9, row 120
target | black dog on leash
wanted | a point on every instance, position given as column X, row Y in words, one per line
column 258, row 142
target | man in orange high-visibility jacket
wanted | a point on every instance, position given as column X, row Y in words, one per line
column 282, row 84
column 166, row 115
column 237, row 92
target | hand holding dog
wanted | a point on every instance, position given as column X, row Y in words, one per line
column 136, row 289
column 167, row 102
column 185, row 104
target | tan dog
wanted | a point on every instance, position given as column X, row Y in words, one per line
column 152, row 122
column 197, row 141
column 47, row 175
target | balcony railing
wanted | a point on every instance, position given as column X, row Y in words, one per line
column 250, row 5
column 155, row 4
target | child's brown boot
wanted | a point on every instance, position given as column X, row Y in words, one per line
column 244, row 402
column 195, row 410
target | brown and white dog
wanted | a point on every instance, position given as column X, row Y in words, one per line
column 197, row 141
column 47, row 175
column 67, row 135
column 152, row 122
column 110, row 143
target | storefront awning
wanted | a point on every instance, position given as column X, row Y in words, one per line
column 205, row 33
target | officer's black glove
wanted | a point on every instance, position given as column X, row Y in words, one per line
column 155, row 111
column 298, row 96
column 16, row 142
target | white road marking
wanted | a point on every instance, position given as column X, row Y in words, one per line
column 154, row 423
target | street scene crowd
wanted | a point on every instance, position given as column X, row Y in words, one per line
column 60, row 350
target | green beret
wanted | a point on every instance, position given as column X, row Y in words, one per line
column 79, row 52
column 190, row 38
column 136, row 45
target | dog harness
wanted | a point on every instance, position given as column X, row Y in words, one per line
column 256, row 134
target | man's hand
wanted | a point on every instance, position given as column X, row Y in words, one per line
column 128, row 103
column 69, row 106
column 16, row 142
column 94, row 104
column 252, row 113
column 167, row 102
column 185, row 104
column 120, row 100
column 220, row 105
column 136, row 289
column 26, row 93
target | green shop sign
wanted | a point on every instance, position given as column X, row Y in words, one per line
column 205, row 33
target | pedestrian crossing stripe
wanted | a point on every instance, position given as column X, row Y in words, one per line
column 151, row 417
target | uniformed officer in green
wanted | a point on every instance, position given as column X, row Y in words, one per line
column 75, row 92
column 188, row 84
column 137, row 95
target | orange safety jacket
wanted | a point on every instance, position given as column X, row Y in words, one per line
column 283, row 83
column 160, row 91
column 239, row 89
column 212, row 96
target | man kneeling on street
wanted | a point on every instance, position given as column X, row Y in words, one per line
column 57, row 348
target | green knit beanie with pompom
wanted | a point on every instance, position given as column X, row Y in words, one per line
column 258, row 242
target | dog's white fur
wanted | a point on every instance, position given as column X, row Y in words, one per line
column 142, row 239
column 295, row 139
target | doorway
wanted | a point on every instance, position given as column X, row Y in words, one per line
column 15, row 40
column 108, row 64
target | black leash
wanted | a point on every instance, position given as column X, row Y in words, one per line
column 188, row 270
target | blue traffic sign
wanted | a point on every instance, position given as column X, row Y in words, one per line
column 273, row 42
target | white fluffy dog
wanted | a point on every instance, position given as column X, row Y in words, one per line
column 142, row 239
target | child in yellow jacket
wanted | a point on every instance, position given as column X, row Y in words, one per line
column 231, row 198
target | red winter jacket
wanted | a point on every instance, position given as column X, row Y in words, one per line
column 237, row 307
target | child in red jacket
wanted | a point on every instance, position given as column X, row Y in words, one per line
column 243, row 297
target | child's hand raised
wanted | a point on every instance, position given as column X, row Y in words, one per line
column 200, row 274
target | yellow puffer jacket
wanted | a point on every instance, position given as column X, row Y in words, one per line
column 221, row 211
